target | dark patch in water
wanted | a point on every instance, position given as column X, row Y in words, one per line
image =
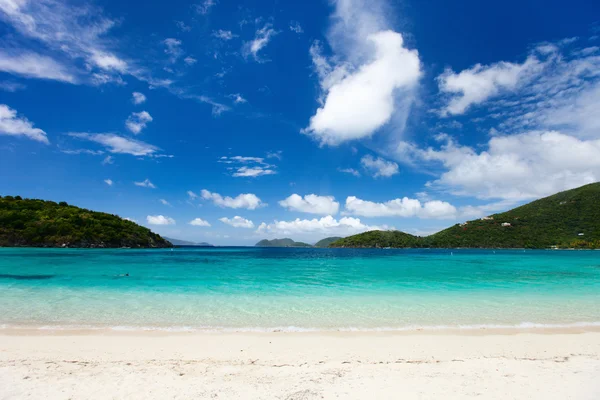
column 26, row 277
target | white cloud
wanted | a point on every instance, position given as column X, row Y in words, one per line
column 516, row 167
column 275, row 154
column 261, row 40
column 76, row 31
column 477, row 84
column 11, row 87
column 252, row 172
column 145, row 183
column 192, row 195
column 311, row 203
column 350, row 171
column 314, row 228
column 138, row 98
column 138, row 121
column 190, row 60
column 237, row 222
column 109, row 182
column 205, row 6
column 237, row 98
column 159, row 220
column 199, row 222
column 248, row 201
column 163, row 201
column 119, row 144
column 378, row 167
column 173, row 49
column 12, row 125
column 404, row 207
column 107, row 160
column 296, row 27
column 182, row 26
column 370, row 78
column 32, row 65
column 224, row 35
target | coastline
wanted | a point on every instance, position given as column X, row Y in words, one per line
column 545, row 364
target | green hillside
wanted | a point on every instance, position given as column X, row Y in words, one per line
column 39, row 223
column 569, row 219
column 327, row 241
column 281, row 243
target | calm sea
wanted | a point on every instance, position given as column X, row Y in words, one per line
column 297, row 289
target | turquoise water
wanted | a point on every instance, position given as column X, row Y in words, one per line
column 297, row 289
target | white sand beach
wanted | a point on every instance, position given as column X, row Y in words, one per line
column 364, row 365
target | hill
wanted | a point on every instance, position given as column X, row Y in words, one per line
column 327, row 241
column 569, row 219
column 281, row 243
column 39, row 223
column 177, row 242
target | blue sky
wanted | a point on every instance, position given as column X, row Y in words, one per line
column 229, row 122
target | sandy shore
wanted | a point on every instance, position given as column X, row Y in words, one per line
column 422, row 365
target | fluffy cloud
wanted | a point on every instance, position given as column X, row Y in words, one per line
column 248, row 201
column 253, row 172
column 404, row 207
column 173, row 48
column 249, row 167
column 109, row 182
column 32, row 65
column 199, row 222
column 237, row 222
column 119, row 144
column 224, row 35
column 12, row 125
column 145, row 183
column 261, row 39
column 373, row 82
column 378, row 167
column 311, row 203
column 325, row 226
column 516, row 167
column 159, row 220
column 138, row 98
column 138, row 121
column 237, row 98
column 477, row 84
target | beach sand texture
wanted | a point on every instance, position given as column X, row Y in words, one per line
column 363, row 365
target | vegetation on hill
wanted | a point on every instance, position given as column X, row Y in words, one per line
column 569, row 219
column 327, row 241
column 39, row 223
column 281, row 243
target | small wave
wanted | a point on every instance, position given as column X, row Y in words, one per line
column 26, row 277
column 292, row 329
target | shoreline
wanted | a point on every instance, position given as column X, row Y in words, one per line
column 299, row 366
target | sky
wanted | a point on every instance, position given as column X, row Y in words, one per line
column 228, row 121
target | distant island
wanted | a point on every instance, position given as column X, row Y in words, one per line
column 178, row 242
column 39, row 223
column 281, row 243
column 569, row 219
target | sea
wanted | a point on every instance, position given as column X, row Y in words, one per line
column 297, row 289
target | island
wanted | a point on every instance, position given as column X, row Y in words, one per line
column 40, row 223
column 569, row 219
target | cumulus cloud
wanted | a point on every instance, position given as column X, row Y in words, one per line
column 199, row 222
column 311, row 203
column 477, row 84
column 138, row 98
column 237, row 222
column 248, row 201
column 261, row 39
column 145, row 183
column 516, row 167
column 12, row 125
column 403, row 207
column 325, row 226
column 119, row 144
column 253, row 172
column 237, row 98
column 370, row 78
column 32, row 65
column 109, row 182
column 138, row 121
column 159, row 220
column 378, row 167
